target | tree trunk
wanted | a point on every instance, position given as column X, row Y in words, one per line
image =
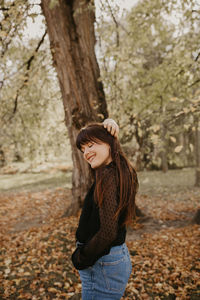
column 163, row 153
column 197, row 151
column 196, row 218
column 164, row 162
column 70, row 26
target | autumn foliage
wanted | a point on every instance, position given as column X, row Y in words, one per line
column 36, row 243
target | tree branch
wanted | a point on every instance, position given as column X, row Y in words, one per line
column 115, row 21
column 4, row 8
column 28, row 63
column 195, row 11
column 195, row 82
column 198, row 55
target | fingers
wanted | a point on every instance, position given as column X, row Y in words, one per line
column 111, row 126
column 114, row 129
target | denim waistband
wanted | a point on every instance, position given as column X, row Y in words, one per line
column 116, row 249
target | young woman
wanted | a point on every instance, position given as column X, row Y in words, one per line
column 101, row 256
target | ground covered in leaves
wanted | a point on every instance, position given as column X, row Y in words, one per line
column 36, row 243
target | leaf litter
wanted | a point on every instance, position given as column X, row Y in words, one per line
column 36, row 243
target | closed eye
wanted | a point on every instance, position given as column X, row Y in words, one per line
column 89, row 145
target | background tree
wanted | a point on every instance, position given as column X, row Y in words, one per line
column 197, row 151
column 155, row 80
column 149, row 67
column 30, row 97
column 70, row 26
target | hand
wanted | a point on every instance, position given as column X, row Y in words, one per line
column 111, row 126
column 79, row 260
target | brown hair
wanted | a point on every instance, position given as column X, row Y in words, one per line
column 125, row 174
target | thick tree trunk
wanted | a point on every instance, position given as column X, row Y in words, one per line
column 70, row 26
column 197, row 150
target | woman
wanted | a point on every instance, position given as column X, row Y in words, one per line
column 101, row 256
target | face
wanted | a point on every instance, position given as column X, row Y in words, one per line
column 96, row 154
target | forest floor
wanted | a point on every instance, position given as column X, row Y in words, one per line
column 36, row 240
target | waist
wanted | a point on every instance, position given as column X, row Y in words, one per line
column 118, row 249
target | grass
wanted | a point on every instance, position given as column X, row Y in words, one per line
column 151, row 182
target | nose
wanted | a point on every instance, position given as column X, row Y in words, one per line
column 86, row 151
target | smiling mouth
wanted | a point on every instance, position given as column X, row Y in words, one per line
column 90, row 159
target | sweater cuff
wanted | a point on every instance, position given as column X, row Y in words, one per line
column 79, row 260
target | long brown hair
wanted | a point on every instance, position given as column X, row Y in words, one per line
column 125, row 174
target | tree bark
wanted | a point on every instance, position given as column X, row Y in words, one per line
column 197, row 150
column 163, row 153
column 196, row 218
column 70, row 27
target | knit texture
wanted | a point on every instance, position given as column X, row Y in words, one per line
column 98, row 228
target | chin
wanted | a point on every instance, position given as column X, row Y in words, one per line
column 95, row 166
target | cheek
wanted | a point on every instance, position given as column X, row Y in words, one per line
column 108, row 150
column 84, row 156
column 106, row 153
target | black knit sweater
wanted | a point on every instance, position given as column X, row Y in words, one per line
column 98, row 229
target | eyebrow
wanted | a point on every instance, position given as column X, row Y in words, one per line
column 89, row 142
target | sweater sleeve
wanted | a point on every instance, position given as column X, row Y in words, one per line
column 87, row 254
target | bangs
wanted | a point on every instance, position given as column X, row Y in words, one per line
column 92, row 133
column 85, row 136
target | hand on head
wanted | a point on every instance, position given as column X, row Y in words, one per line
column 111, row 126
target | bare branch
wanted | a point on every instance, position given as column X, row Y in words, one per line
column 28, row 63
column 4, row 8
column 195, row 82
column 196, row 11
column 197, row 57
column 115, row 21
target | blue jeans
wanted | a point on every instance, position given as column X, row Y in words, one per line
column 108, row 277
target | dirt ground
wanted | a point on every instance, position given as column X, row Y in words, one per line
column 36, row 240
column 33, row 199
